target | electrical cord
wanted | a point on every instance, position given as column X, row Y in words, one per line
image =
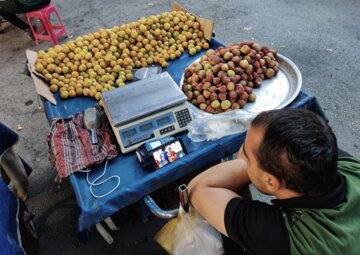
column 93, row 183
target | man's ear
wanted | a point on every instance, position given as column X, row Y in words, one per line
column 273, row 183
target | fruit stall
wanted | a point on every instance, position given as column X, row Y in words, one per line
column 215, row 79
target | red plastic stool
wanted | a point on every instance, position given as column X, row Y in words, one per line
column 47, row 31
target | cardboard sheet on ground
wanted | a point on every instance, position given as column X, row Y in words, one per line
column 41, row 86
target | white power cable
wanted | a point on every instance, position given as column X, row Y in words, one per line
column 93, row 183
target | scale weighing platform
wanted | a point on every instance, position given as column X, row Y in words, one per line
column 146, row 109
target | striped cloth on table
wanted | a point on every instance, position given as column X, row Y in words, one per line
column 70, row 148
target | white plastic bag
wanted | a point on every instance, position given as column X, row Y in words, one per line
column 194, row 236
column 208, row 126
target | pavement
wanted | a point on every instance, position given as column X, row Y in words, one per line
column 320, row 37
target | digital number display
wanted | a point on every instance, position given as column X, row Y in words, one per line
column 129, row 132
column 146, row 127
column 163, row 121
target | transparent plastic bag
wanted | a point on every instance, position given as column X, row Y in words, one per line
column 206, row 126
column 194, row 236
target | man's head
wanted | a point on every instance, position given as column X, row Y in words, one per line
column 295, row 147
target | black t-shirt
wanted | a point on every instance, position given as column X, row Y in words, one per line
column 259, row 228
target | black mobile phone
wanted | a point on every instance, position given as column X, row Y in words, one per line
column 168, row 153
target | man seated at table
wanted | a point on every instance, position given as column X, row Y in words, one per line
column 291, row 154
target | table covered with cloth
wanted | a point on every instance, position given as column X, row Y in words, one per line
column 135, row 181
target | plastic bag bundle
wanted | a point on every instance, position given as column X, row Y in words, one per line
column 194, row 236
column 207, row 126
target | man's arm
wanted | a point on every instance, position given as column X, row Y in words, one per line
column 211, row 190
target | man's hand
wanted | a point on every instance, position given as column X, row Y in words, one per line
column 211, row 190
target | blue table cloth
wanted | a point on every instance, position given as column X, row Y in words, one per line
column 137, row 182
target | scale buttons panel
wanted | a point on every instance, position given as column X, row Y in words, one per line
column 183, row 117
column 167, row 130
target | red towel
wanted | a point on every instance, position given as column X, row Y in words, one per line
column 70, row 148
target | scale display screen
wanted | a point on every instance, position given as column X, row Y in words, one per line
column 162, row 124
column 146, row 127
column 129, row 133
column 163, row 120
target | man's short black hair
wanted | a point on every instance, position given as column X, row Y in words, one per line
column 298, row 147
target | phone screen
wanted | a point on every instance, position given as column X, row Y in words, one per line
column 168, row 153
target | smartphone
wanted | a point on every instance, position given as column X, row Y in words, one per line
column 167, row 153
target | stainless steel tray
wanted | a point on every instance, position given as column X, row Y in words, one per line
column 274, row 93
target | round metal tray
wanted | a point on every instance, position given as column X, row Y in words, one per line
column 274, row 93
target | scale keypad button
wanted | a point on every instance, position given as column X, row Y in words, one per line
column 183, row 117
column 167, row 130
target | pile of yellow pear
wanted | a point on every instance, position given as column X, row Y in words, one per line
column 97, row 62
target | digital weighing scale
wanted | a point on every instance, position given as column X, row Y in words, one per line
column 146, row 109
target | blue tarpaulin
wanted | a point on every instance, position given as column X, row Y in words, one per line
column 9, row 226
column 137, row 182
column 10, row 241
